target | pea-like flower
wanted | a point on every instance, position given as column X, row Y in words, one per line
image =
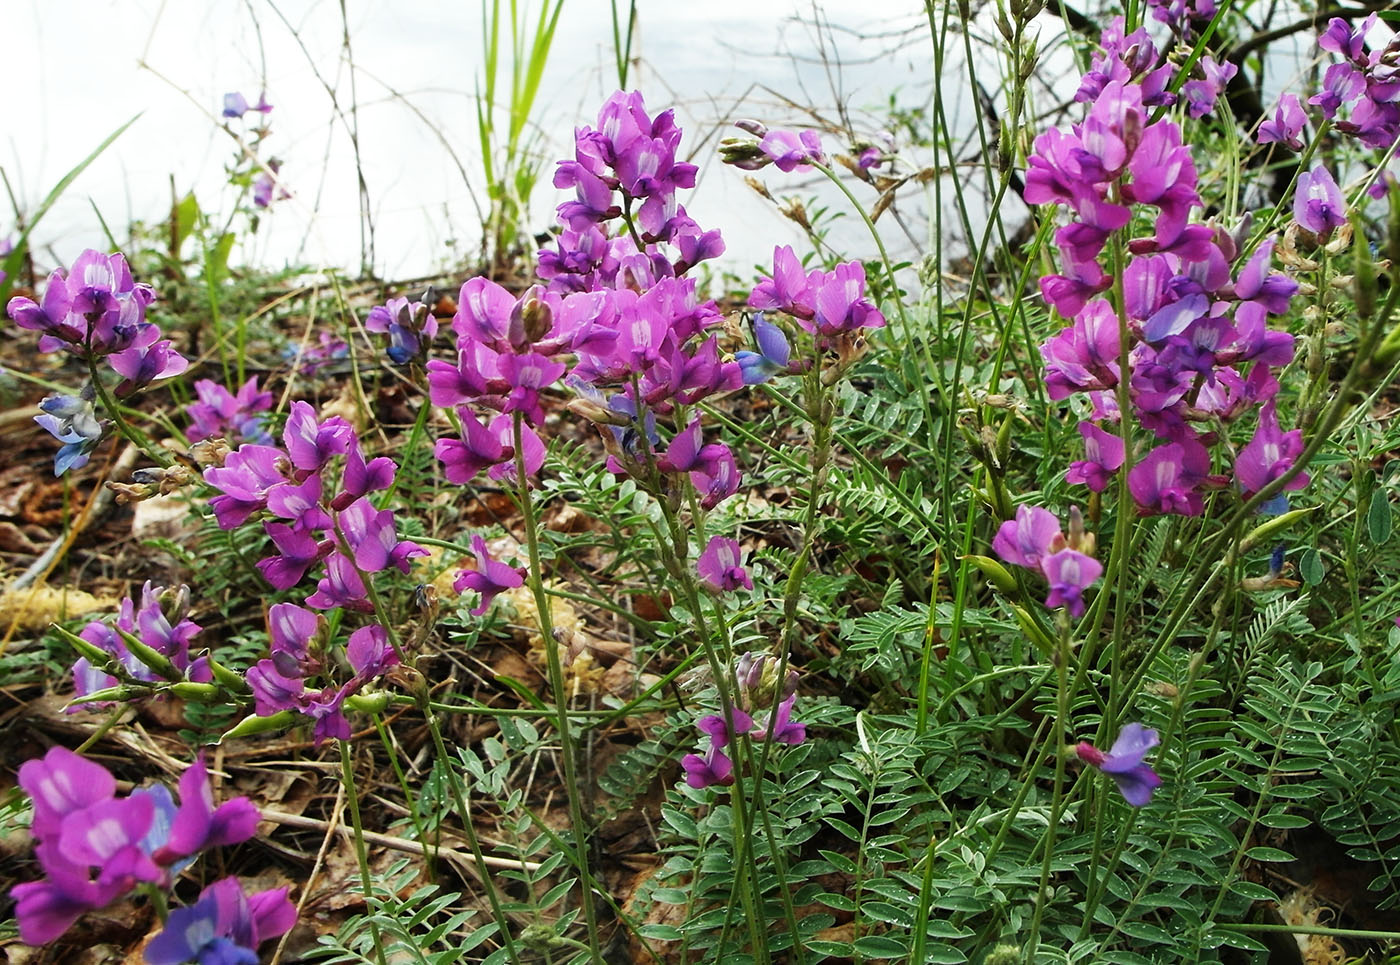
column 1123, row 762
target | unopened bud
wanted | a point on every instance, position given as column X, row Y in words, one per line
column 751, row 126
column 743, row 153
column 597, row 413
column 1004, row 28
column 538, row 318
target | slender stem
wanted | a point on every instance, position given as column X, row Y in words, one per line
column 567, row 749
column 352, row 795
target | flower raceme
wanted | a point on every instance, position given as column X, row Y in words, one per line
column 1033, row 540
column 1194, row 306
column 754, row 714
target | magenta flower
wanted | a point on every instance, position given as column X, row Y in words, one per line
column 715, row 767
column 721, row 566
column 236, row 417
column 1103, row 453
column 788, row 149
column 342, row 586
column 1070, row 573
column 1164, row 481
column 244, row 478
column 297, row 552
column 790, row 288
column 718, row 481
column 198, row 824
column 1123, row 762
column 310, row 444
column 1026, row 540
column 1269, row 454
column 1318, row 204
column 1286, row 126
column 225, row 927
column 489, row 578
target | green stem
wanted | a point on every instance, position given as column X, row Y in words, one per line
column 567, row 749
column 352, row 797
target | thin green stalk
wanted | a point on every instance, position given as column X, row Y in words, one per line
column 1058, row 800
column 567, row 750
column 352, row 796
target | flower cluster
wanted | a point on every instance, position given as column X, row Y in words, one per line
column 94, row 846
column 1366, row 82
column 831, row 306
column 96, row 311
column 1034, row 540
column 1194, row 309
column 410, row 326
column 234, row 417
column 753, row 714
column 1123, row 762
column 298, row 653
column 635, row 327
column 161, row 636
column 625, row 168
column 312, row 494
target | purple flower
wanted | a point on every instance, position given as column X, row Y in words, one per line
column 1201, row 94
column 717, row 481
column 1340, row 38
column 342, row 586
column 224, row 927
column 291, row 629
column 60, row 784
column 788, row 149
column 198, row 825
column 1104, row 456
column 772, row 357
column 235, row 104
column 236, row 417
column 463, row 458
column 1070, row 573
column 1341, row 84
column 721, row 566
column 370, row 653
column 371, row 538
column 1164, row 480
column 244, row 478
column 488, row 578
column 1123, row 762
column 790, row 288
column 780, row 726
column 1318, row 204
column 1269, row 454
column 297, row 552
column 361, row 478
column 1286, row 126
column 1029, row 538
column 409, row 325
column 715, row 767
column 310, row 444
column 273, row 691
